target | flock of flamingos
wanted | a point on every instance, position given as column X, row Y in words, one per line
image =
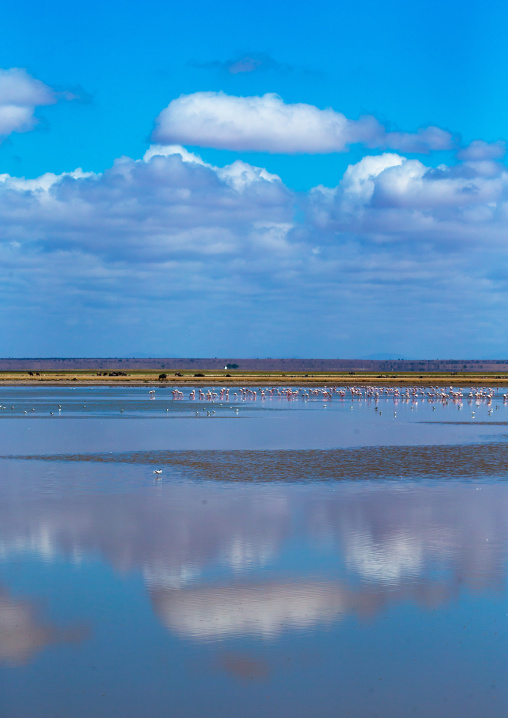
column 432, row 394
column 474, row 396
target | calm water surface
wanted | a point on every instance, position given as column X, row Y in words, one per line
column 299, row 559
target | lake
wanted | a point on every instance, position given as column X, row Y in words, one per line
column 298, row 555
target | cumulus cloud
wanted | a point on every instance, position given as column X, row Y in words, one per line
column 268, row 124
column 390, row 185
column 239, row 261
column 20, row 95
column 169, row 204
column 39, row 184
column 167, row 150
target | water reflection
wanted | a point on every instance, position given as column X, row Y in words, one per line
column 268, row 609
column 23, row 632
column 247, row 560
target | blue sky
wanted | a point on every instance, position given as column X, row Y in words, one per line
column 271, row 180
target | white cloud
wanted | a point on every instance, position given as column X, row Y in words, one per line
column 240, row 260
column 358, row 183
column 376, row 186
column 268, row 124
column 166, row 150
column 40, row 184
column 20, row 95
column 166, row 204
column 238, row 174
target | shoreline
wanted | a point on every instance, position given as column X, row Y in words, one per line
column 141, row 379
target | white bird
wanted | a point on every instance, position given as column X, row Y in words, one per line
column 158, row 471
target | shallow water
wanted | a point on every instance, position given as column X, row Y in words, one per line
column 293, row 558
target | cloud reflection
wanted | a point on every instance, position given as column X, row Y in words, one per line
column 23, row 633
column 258, row 560
column 268, row 609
